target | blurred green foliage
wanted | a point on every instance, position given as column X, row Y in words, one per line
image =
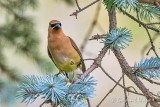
column 69, row 2
column 17, row 32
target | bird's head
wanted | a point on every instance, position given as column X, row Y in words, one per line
column 55, row 25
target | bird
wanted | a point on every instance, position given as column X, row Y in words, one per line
column 62, row 50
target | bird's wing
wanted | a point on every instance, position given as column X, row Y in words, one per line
column 77, row 49
column 49, row 54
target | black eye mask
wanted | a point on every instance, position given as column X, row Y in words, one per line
column 54, row 25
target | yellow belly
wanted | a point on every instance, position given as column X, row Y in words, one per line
column 67, row 67
column 65, row 62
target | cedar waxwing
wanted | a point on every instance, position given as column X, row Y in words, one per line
column 62, row 49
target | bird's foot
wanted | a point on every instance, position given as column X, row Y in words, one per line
column 57, row 74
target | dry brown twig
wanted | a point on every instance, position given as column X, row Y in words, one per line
column 81, row 9
column 147, row 103
column 97, row 36
column 148, row 45
column 151, row 81
column 91, row 28
column 126, row 104
column 152, row 45
column 93, row 23
column 155, row 2
column 126, row 88
column 154, row 23
column 146, row 26
column 110, row 91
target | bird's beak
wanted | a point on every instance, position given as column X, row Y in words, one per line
column 58, row 25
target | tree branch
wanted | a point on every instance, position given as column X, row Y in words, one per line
column 140, row 22
column 78, row 5
column 126, row 88
column 112, row 20
column 81, row 9
column 152, row 45
column 88, row 101
column 149, row 80
column 97, row 36
column 146, row 26
column 126, row 104
column 110, row 91
column 91, row 28
column 42, row 104
column 96, row 62
column 148, row 44
column 155, row 2
column 127, row 70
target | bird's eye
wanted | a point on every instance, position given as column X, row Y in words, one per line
column 52, row 25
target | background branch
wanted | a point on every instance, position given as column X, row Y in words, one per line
column 126, row 88
column 148, row 44
column 91, row 28
column 109, row 92
column 152, row 45
column 126, row 104
column 140, row 22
